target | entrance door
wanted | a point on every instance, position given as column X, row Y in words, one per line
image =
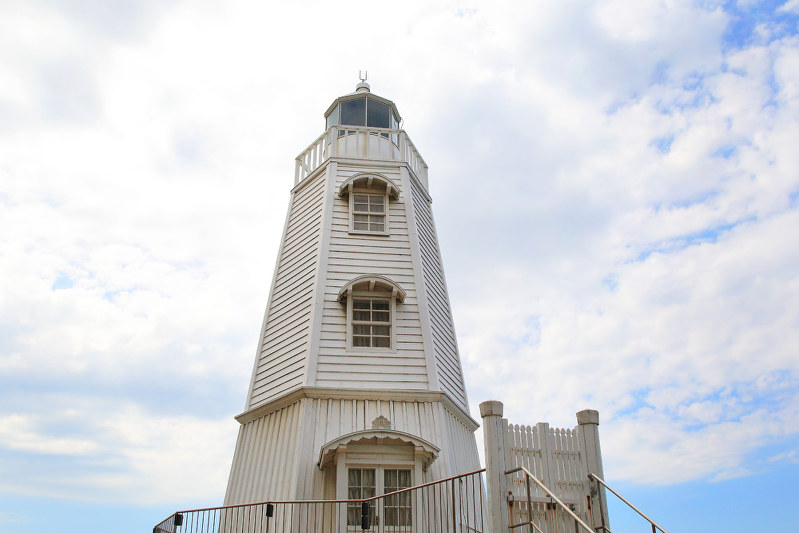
column 391, row 513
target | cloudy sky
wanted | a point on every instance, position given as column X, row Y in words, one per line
column 615, row 191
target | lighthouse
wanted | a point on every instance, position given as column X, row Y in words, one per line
column 357, row 387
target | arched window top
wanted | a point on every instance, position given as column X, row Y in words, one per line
column 369, row 181
column 428, row 450
column 370, row 283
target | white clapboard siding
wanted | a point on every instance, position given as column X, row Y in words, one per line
column 351, row 255
column 450, row 375
column 308, row 388
column 284, row 348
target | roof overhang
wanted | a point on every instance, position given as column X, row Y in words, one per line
column 368, row 181
column 428, row 451
column 370, row 284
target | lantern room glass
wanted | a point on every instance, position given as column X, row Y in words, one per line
column 362, row 111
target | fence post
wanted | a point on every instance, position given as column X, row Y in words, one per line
column 588, row 421
column 496, row 480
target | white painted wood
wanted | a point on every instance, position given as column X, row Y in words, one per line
column 496, row 439
column 309, row 385
column 560, row 458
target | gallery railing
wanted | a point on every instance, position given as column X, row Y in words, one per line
column 362, row 143
column 454, row 504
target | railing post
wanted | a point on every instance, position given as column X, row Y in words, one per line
column 496, row 480
column 588, row 421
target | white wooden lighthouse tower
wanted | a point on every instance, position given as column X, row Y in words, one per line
column 357, row 387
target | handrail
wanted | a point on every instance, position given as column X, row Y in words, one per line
column 371, row 498
column 326, row 146
column 551, row 495
column 453, row 503
column 633, row 507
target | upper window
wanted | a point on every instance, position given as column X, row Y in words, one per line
column 369, row 196
column 369, row 212
column 371, row 305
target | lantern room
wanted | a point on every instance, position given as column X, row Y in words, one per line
column 362, row 108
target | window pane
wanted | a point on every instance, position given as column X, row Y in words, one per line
column 376, row 203
column 380, row 305
column 361, row 226
column 376, row 227
column 378, row 114
column 361, row 342
column 362, row 198
column 380, row 316
column 381, row 331
column 353, row 112
column 361, row 304
column 381, row 342
column 361, row 330
column 332, row 118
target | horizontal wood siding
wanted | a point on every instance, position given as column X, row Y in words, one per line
column 284, row 347
column 352, row 255
column 450, row 375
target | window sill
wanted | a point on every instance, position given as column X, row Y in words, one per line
column 363, row 232
column 361, row 350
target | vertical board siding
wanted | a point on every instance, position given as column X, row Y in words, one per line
column 352, row 255
column 450, row 375
column 263, row 464
column 274, row 448
column 284, row 347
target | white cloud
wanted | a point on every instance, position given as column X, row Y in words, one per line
column 614, row 194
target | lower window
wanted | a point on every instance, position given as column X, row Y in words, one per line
column 371, row 322
column 395, row 508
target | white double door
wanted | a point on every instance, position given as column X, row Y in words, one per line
column 390, row 513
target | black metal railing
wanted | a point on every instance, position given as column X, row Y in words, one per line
column 454, row 504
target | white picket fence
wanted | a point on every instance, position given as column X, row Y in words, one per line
column 554, row 456
column 560, row 458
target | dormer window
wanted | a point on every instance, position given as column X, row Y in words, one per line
column 369, row 196
column 371, row 307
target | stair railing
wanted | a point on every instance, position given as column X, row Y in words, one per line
column 528, row 476
column 654, row 525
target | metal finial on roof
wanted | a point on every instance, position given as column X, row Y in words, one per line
column 362, row 87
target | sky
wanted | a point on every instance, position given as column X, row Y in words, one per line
column 614, row 189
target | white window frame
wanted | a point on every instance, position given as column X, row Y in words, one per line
column 392, row 313
column 380, row 490
column 386, row 208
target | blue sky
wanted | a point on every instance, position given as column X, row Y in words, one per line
column 614, row 188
